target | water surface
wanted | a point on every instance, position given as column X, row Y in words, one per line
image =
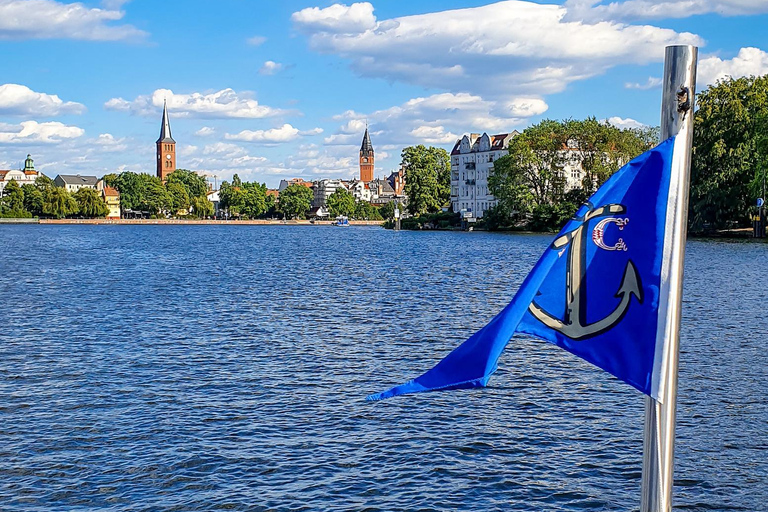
column 225, row 367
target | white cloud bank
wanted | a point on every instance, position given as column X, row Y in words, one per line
column 217, row 105
column 509, row 48
column 633, row 10
column 30, row 132
column 47, row 19
column 19, row 100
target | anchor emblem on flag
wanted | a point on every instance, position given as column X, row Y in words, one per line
column 575, row 325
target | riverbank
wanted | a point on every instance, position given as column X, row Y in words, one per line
column 190, row 222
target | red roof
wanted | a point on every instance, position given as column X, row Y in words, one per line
column 109, row 191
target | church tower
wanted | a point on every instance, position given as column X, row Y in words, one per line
column 166, row 148
column 366, row 158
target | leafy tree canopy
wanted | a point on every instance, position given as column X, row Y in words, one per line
column 90, row 203
column 194, row 184
column 730, row 152
column 427, row 178
column 295, row 201
column 341, row 202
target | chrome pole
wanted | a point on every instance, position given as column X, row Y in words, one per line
column 679, row 85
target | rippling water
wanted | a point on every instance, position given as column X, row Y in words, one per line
column 225, row 367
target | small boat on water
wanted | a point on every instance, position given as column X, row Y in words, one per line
column 342, row 221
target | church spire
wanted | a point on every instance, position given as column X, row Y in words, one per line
column 165, row 128
column 366, row 148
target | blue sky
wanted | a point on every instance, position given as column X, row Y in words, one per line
column 273, row 90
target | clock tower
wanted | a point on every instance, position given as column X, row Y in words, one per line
column 166, row 148
column 366, row 158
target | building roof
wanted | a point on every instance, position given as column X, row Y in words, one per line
column 165, row 128
column 76, row 179
column 3, row 173
column 366, row 148
column 272, row 192
column 111, row 192
column 498, row 142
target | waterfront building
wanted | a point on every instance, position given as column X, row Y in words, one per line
column 396, row 180
column 111, row 197
column 284, row 184
column 381, row 192
column 166, row 148
column 213, row 197
column 471, row 164
column 366, row 158
column 25, row 176
column 324, row 188
column 360, row 190
column 74, row 182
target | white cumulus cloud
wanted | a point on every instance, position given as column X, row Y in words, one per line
column 270, row 67
column 47, row 19
column 651, row 83
column 337, row 18
column 625, row 123
column 30, row 132
column 285, row 133
column 217, row 105
column 749, row 61
column 20, row 100
column 256, row 40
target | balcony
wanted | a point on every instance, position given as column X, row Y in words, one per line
column 469, row 182
column 469, row 166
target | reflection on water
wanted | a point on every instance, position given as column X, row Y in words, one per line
column 225, row 367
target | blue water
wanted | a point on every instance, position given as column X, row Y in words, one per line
column 225, row 367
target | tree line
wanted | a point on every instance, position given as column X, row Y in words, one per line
column 45, row 199
column 183, row 193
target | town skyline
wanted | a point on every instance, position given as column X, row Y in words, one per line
column 286, row 90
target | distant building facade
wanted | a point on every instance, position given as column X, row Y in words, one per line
column 111, row 197
column 74, row 182
column 323, row 190
column 366, row 158
column 471, row 164
column 166, row 148
column 284, row 184
column 25, row 176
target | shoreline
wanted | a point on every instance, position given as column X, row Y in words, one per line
column 187, row 222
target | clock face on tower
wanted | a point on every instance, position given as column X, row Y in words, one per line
column 168, row 157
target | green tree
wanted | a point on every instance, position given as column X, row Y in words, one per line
column 341, row 202
column 58, row 203
column 236, row 182
column 44, row 182
column 729, row 152
column 255, row 200
column 530, row 182
column 428, row 178
column 366, row 211
column 193, row 183
column 201, row 207
column 33, row 199
column 155, row 198
column 295, row 201
column 533, row 172
column 13, row 198
column 178, row 195
column 387, row 211
column 90, row 203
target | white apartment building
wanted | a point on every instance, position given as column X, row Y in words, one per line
column 323, row 190
column 74, row 182
column 471, row 164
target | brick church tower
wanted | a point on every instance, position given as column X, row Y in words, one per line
column 366, row 159
column 166, row 148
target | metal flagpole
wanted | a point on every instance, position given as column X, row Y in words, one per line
column 679, row 85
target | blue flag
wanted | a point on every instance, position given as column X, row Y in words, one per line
column 599, row 291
